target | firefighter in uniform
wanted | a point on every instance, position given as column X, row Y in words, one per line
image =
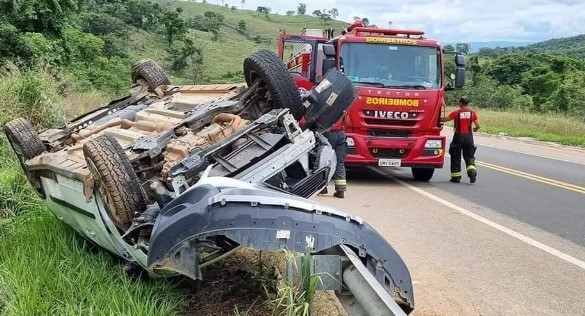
column 337, row 139
column 463, row 140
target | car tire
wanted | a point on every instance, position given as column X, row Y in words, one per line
column 149, row 71
column 115, row 178
column 423, row 174
column 266, row 66
column 26, row 143
column 23, row 139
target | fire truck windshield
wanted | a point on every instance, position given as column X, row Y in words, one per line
column 391, row 66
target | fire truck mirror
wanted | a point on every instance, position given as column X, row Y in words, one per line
column 329, row 58
column 459, row 77
column 460, row 60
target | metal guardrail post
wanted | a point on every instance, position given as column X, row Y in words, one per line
column 368, row 293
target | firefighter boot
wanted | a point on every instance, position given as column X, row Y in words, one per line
column 340, row 187
column 472, row 173
column 324, row 191
column 455, row 177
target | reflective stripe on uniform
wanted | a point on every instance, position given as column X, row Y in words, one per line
column 340, row 182
column 455, row 174
column 471, row 167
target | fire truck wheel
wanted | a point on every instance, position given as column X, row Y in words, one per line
column 115, row 178
column 266, row 66
column 423, row 174
column 149, row 71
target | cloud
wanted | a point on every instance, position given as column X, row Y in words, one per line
column 459, row 20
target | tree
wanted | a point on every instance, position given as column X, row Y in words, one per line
column 38, row 16
column 243, row 1
column 264, row 10
column 449, row 48
column 462, row 48
column 366, row 21
column 174, row 26
column 290, row 13
column 302, row 9
column 334, row 13
column 317, row 13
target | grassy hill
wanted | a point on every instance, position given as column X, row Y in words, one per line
column 223, row 57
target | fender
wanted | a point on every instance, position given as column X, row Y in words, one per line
column 263, row 218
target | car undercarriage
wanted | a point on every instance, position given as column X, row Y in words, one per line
column 175, row 177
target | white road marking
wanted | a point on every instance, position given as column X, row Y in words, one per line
column 557, row 253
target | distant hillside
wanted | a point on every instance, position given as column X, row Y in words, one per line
column 570, row 46
column 573, row 46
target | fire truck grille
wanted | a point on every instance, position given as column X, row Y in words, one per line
column 388, row 133
column 390, row 122
column 387, row 152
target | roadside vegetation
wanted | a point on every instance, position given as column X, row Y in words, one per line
column 64, row 57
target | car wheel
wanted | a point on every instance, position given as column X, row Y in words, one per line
column 26, row 144
column 115, row 178
column 23, row 139
column 423, row 174
column 265, row 66
column 149, row 71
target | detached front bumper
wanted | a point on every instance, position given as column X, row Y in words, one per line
column 266, row 219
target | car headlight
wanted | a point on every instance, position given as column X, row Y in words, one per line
column 433, row 143
column 350, row 142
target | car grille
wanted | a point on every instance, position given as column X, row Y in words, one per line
column 308, row 186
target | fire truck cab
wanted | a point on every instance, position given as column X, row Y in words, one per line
column 400, row 75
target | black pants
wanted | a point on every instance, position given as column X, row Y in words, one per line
column 337, row 141
column 462, row 143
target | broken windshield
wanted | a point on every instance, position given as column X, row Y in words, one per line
column 392, row 66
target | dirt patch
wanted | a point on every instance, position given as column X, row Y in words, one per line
column 244, row 281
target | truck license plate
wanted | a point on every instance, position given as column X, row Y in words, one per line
column 389, row 162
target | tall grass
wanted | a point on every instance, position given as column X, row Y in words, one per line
column 556, row 128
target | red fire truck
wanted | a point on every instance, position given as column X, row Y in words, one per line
column 400, row 75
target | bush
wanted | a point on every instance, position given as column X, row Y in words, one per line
column 487, row 93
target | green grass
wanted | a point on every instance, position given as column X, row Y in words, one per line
column 47, row 269
column 545, row 127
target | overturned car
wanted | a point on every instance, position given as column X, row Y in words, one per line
column 173, row 178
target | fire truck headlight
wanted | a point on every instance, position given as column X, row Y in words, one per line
column 350, row 142
column 433, row 143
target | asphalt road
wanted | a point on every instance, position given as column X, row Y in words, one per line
column 511, row 244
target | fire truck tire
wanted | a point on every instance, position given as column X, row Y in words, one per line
column 115, row 179
column 149, row 71
column 423, row 174
column 266, row 66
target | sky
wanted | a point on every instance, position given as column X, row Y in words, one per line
column 455, row 20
